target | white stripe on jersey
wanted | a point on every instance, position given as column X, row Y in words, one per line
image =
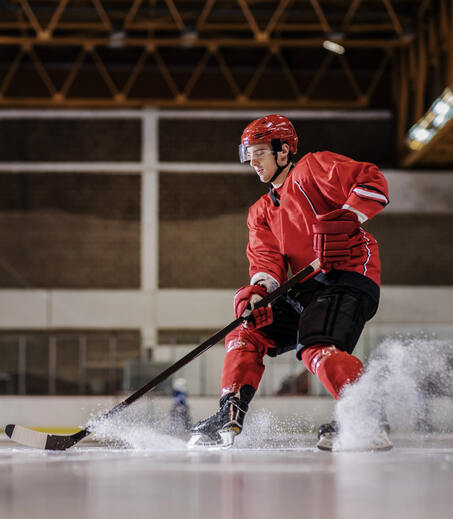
column 370, row 194
column 361, row 216
column 368, row 249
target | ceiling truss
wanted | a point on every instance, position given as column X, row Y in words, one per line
column 226, row 54
column 260, row 19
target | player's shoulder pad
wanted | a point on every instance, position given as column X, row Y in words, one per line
column 327, row 158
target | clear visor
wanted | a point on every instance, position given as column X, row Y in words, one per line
column 247, row 153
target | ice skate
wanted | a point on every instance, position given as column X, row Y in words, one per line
column 219, row 430
column 380, row 442
column 328, row 435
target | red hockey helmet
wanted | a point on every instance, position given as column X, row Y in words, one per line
column 273, row 129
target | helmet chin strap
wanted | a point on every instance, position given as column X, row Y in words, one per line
column 279, row 168
column 274, row 195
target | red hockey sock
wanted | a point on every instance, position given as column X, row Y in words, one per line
column 243, row 363
column 334, row 368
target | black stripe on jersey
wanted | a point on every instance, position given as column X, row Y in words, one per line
column 308, row 198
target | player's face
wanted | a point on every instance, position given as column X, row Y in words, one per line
column 263, row 161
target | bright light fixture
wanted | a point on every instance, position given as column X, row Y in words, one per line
column 332, row 46
column 438, row 115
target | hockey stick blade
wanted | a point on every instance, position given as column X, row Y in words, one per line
column 41, row 440
column 61, row 442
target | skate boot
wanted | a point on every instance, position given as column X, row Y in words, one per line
column 327, row 434
column 220, row 429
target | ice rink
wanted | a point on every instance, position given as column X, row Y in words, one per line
column 414, row 480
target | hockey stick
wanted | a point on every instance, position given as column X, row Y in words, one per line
column 57, row 442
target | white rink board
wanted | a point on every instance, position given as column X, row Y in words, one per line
column 67, row 412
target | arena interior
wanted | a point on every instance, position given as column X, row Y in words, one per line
column 123, row 231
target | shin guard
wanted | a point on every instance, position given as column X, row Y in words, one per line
column 334, row 368
column 243, row 363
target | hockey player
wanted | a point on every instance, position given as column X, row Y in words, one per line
column 314, row 208
column 179, row 420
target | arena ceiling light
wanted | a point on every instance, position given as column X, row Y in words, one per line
column 332, row 43
column 438, row 115
column 116, row 39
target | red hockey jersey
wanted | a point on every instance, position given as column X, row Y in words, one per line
column 282, row 236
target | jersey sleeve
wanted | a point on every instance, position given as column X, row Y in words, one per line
column 357, row 186
column 263, row 251
column 364, row 186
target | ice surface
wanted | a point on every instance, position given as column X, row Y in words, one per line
column 401, row 381
column 413, row 480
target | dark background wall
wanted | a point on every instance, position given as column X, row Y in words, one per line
column 82, row 230
column 69, row 230
column 206, row 140
column 70, row 140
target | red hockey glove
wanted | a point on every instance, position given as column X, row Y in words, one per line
column 245, row 299
column 336, row 235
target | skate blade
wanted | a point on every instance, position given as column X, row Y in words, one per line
column 326, row 442
column 363, row 449
column 328, row 448
column 381, row 444
column 203, row 442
